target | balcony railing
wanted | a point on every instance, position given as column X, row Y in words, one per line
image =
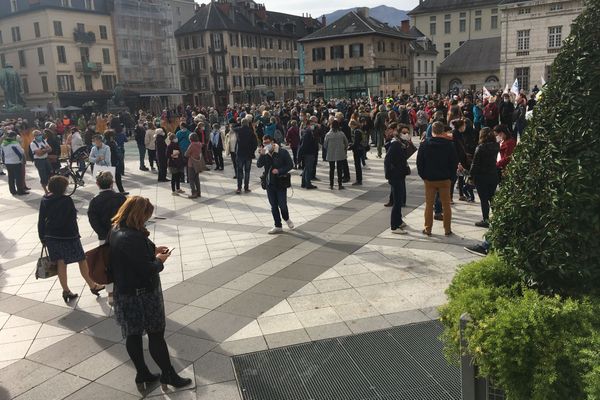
column 88, row 67
column 84, row 37
column 212, row 50
column 223, row 71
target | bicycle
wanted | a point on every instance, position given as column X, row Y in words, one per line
column 75, row 176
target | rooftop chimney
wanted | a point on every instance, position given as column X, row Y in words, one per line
column 324, row 20
column 405, row 26
column 363, row 11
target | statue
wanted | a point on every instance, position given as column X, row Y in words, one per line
column 10, row 82
column 118, row 95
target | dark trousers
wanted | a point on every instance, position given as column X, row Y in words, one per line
column 243, row 172
column 234, row 162
column 314, row 168
column 398, row 198
column 142, row 151
column 295, row 156
column 118, row 180
column 162, row 169
column 44, row 170
column 278, row 202
column 158, row 351
column 194, row 181
column 332, row 166
column 345, row 170
column 151, row 157
column 16, row 182
column 358, row 164
column 218, row 156
column 176, row 178
column 307, row 172
column 486, row 188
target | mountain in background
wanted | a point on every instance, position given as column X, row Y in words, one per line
column 391, row 15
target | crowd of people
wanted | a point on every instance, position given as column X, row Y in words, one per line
column 463, row 143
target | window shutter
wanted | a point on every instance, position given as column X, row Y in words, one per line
column 361, row 49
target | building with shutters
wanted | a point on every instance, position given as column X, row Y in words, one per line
column 355, row 56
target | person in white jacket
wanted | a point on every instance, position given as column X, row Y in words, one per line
column 150, row 143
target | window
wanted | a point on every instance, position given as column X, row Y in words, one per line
column 14, row 6
column 524, row 11
column 106, row 56
column 65, row 83
column 89, row 5
column 523, row 40
column 16, row 34
column 478, row 13
column 1, row 40
column 36, row 29
column 381, row 46
column 478, row 23
column 461, row 43
column 554, row 37
column 419, row 67
column 318, row 76
column 355, row 50
column 556, row 7
column 447, row 27
column 279, row 45
column 318, row 53
column 462, row 25
column 62, row 54
column 494, row 22
column 25, row 85
column 2, row 60
column 425, row 63
column 235, row 61
column 103, row 32
column 336, row 52
column 80, row 27
column 87, row 79
column 237, row 81
column 446, row 49
column 432, row 25
column 217, row 41
column 58, row 28
column 44, row 84
column 522, row 75
column 40, row 52
column 65, row 3
column 22, row 59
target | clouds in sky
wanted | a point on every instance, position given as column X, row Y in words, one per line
column 319, row 7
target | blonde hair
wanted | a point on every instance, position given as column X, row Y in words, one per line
column 134, row 213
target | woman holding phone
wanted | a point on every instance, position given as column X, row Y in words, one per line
column 138, row 301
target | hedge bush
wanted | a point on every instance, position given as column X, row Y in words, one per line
column 546, row 220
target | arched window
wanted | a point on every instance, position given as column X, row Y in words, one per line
column 492, row 82
column 455, row 84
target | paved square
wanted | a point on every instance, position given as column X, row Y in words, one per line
column 230, row 288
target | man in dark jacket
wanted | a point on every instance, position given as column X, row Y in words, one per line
column 244, row 149
column 307, row 151
column 507, row 109
column 140, row 135
column 105, row 205
column 396, row 169
column 436, row 164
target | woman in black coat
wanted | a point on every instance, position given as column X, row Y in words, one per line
column 161, row 154
column 396, row 168
column 116, row 159
column 138, row 302
column 484, row 173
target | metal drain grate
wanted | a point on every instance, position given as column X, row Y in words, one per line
column 400, row 363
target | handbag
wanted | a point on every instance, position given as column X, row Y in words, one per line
column 98, row 261
column 198, row 164
column 45, row 267
column 285, row 181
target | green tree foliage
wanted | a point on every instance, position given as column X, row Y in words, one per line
column 546, row 219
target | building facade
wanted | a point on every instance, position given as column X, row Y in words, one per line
column 532, row 35
column 63, row 50
column 423, row 64
column 450, row 23
column 357, row 42
column 239, row 52
column 181, row 11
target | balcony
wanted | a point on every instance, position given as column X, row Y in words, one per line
column 224, row 71
column 212, row 50
column 84, row 37
column 88, row 67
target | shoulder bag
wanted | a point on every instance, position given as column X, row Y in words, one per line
column 45, row 267
column 98, row 261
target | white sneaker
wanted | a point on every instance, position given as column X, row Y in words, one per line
column 399, row 231
column 290, row 224
column 403, row 225
column 275, row 230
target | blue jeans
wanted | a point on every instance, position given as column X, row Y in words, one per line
column 398, row 196
column 278, row 201
column 243, row 172
column 307, row 172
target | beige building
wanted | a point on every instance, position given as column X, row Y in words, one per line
column 239, row 52
column 355, row 56
column 450, row 23
column 63, row 53
column 181, row 10
column 532, row 35
column 475, row 64
column 423, row 63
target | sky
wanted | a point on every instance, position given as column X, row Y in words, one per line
column 319, row 7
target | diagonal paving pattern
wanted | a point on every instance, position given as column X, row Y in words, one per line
column 230, row 288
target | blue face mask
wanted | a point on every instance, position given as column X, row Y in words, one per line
column 39, row 138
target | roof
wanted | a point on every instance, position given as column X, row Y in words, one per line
column 212, row 17
column 26, row 6
column 477, row 55
column 423, row 46
column 354, row 24
column 431, row 6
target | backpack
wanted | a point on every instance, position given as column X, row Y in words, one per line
column 30, row 152
column 490, row 111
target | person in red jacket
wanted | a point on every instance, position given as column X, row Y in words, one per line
column 507, row 146
column 292, row 138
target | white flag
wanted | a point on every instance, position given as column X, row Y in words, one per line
column 505, row 89
column 543, row 80
column 486, row 93
column 515, row 87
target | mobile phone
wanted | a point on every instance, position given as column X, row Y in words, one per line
column 170, row 251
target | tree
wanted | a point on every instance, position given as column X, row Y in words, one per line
column 546, row 219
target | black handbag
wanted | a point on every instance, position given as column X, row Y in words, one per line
column 284, row 181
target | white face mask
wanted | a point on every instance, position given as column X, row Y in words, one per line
column 268, row 147
column 175, row 140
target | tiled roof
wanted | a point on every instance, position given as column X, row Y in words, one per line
column 354, row 24
column 477, row 55
column 211, row 17
column 25, row 6
column 430, row 6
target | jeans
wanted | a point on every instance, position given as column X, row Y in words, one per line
column 194, row 181
column 218, row 156
column 142, row 151
column 314, row 168
column 332, row 165
column 162, row 169
column 443, row 189
column 234, row 162
column 379, row 141
column 16, row 183
column 295, row 156
column 278, row 201
column 486, row 188
column 176, row 178
column 309, row 161
column 44, row 170
column 345, row 170
column 151, row 157
column 358, row 164
column 243, row 172
column 398, row 194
